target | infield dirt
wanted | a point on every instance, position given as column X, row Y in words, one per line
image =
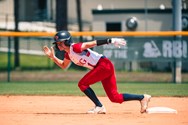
column 70, row 110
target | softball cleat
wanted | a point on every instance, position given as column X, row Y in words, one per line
column 97, row 110
column 144, row 103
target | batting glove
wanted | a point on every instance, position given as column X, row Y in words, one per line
column 118, row 42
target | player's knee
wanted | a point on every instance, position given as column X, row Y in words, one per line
column 116, row 98
column 82, row 86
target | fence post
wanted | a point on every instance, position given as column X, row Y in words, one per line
column 9, row 59
column 177, row 26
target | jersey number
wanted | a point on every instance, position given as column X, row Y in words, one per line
column 83, row 61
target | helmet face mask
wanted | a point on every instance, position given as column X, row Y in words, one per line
column 63, row 36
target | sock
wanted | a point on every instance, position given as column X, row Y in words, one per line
column 91, row 94
column 130, row 97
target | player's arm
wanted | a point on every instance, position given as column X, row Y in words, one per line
column 116, row 41
column 61, row 63
column 51, row 54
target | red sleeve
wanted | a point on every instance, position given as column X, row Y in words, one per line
column 77, row 47
column 66, row 56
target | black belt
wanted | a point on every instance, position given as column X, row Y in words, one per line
column 103, row 57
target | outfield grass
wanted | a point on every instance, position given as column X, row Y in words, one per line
column 57, row 88
column 26, row 61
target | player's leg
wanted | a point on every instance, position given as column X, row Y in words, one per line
column 111, row 90
column 130, row 97
column 99, row 108
column 95, row 75
column 90, row 78
column 110, row 87
column 91, row 94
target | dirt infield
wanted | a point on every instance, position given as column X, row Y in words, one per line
column 70, row 110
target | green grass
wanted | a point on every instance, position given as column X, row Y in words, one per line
column 26, row 61
column 30, row 62
column 57, row 88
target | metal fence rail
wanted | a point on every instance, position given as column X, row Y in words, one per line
column 128, row 35
column 144, row 33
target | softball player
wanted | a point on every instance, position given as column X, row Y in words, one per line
column 101, row 69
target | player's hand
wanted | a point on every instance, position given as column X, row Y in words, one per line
column 118, row 42
column 48, row 52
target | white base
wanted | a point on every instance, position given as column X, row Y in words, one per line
column 160, row 110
